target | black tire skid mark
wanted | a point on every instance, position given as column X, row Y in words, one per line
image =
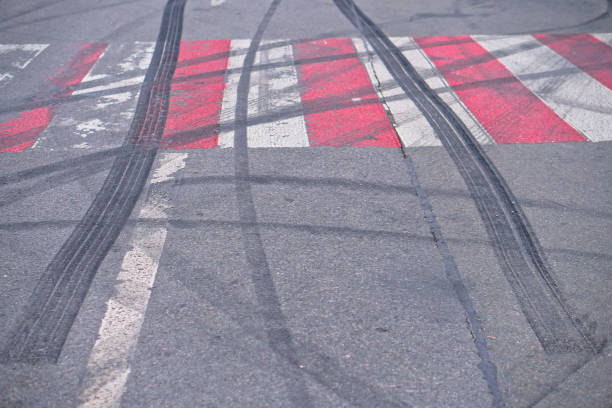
column 516, row 246
column 47, row 318
column 278, row 334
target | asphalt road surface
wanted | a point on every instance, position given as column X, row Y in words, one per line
column 288, row 203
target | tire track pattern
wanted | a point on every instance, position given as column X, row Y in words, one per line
column 515, row 244
column 47, row 318
column 279, row 335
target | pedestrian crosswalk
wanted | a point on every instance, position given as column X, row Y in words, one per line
column 325, row 92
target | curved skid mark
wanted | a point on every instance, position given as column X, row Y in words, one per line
column 279, row 336
column 47, row 318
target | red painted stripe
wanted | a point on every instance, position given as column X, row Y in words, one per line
column 196, row 95
column 509, row 111
column 340, row 105
column 20, row 132
column 585, row 51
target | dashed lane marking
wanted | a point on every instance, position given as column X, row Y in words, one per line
column 109, row 362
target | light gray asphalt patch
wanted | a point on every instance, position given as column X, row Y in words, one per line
column 374, row 319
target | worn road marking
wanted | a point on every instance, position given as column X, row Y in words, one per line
column 508, row 110
column 436, row 81
column 21, row 55
column 332, row 92
column 575, row 96
column 228, row 105
column 108, row 95
column 196, row 94
column 274, row 100
column 21, row 131
column 584, row 51
column 410, row 125
column 14, row 57
column 109, row 362
column 341, row 108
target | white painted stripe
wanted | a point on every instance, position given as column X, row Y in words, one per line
column 237, row 52
column 605, row 38
column 411, row 126
column 436, row 81
column 22, row 54
column 575, row 96
column 215, row 3
column 273, row 92
column 103, row 117
column 134, row 81
column 109, row 362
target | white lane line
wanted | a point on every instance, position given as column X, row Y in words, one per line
column 237, row 52
column 411, row 126
column 109, row 362
column 137, row 80
column 274, row 91
column 605, row 38
column 575, row 96
column 436, row 81
column 215, row 3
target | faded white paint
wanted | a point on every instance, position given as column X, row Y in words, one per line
column 412, row 128
column 104, row 103
column 237, row 52
column 168, row 165
column 139, row 59
column 575, row 96
column 274, row 92
column 436, row 81
column 215, row 3
column 14, row 57
column 93, row 74
column 89, row 127
column 5, row 77
column 274, row 108
column 409, row 122
column 109, row 362
column 107, row 100
column 134, row 81
column 23, row 53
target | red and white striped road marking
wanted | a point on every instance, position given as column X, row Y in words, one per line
column 21, row 131
column 340, row 105
column 508, row 110
column 333, row 92
column 585, row 51
column 197, row 92
column 105, row 101
column 576, row 97
column 274, row 109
